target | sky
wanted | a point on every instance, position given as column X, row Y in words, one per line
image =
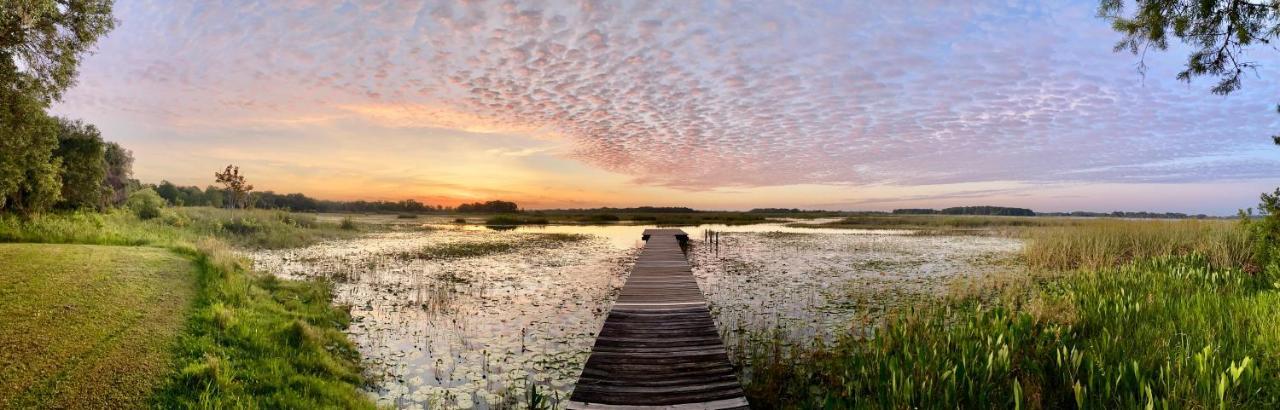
column 715, row 105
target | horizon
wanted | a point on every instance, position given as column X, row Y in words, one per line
column 596, row 104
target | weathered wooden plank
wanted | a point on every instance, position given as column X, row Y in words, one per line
column 659, row 347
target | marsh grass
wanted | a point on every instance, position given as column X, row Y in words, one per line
column 473, row 249
column 251, row 340
column 1172, row 332
column 1097, row 314
column 1109, row 243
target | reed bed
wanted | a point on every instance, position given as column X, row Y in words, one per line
column 1108, row 243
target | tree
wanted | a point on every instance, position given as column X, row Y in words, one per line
column 145, row 203
column 490, row 206
column 169, row 192
column 235, row 186
column 42, row 42
column 214, row 195
column 28, row 173
column 82, row 153
column 1220, row 30
column 118, row 162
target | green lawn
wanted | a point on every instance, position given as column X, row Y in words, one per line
column 89, row 326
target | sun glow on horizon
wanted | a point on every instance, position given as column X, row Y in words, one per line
column 575, row 104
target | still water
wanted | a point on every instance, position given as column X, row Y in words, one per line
column 480, row 328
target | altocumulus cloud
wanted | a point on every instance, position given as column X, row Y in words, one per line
column 699, row 95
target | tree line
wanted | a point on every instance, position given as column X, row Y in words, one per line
column 224, row 197
column 51, row 162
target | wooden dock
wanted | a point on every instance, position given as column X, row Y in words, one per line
column 659, row 347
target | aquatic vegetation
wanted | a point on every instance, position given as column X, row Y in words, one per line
column 802, row 286
column 1170, row 332
column 474, row 318
column 348, row 224
column 472, row 249
column 1114, row 314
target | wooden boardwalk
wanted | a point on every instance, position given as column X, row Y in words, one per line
column 659, row 347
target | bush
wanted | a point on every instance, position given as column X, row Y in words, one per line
column 145, row 203
column 460, row 220
column 348, row 224
column 1265, row 232
column 175, row 219
column 241, row 226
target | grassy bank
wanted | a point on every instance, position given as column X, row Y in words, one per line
column 250, row 340
column 87, row 325
column 242, row 228
column 1150, row 314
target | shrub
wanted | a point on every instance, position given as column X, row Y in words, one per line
column 241, row 226
column 348, row 224
column 175, row 219
column 1265, row 232
column 460, row 220
column 145, row 203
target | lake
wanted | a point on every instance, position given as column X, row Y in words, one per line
column 465, row 316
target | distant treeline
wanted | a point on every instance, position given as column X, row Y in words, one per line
column 219, row 197
column 1004, row 211
column 635, row 210
column 968, row 210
